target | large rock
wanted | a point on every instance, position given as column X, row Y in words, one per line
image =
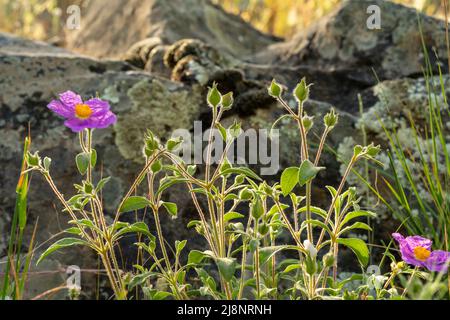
column 343, row 42
column 120, row 26
column 31, row 75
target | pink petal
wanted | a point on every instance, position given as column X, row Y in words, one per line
column 77, row 125
column 70, row 99
column 438, row 261
column 98, row 106
column 60, row 109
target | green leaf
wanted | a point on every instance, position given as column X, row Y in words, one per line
column 359, row 247
column 317, row 223
column 227, row 267
column 102, row 183
column 134, row 203
column 356, row 214
column 307, row 172
column 267, row 252
column 63, row 243
column 179, row 245
column 167, row 182
column 232, row 215
column 82, row 160
column 222, row 131
column 196, row 257
column 138, row 227
column 171, row 208
column 93, row 158
column 241, row 170
column 21, row 201
column 356, row 225
column 161, row 295
column 289, row 178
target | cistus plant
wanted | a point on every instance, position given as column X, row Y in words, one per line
column 332, row 224
column 263, row 241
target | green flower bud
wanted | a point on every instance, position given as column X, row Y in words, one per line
column 310, row 266
column 87, row 187
column 263, row 229
column 174, row 143
column 275, row 90
column 214, row 97
column 257, row 209
column 301, row 91
column 235, row 129
column 33, row 159
column 372, row 151
column 331, row 119
column 47, row 161
column 227, row 101
column 328, row 260
column 151, row 144
column 239, row 179
column 156, row 166
column 308, row 122
column 245, row 194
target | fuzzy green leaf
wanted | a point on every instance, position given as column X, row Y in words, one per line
column 289, row 178
column 307, row 172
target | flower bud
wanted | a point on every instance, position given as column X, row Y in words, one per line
column 331, row 119
column 310, row 265
column 227, row 101
column 33, row 159
column 214, row 97
column 257, row 209
column 328, row 260
column 312, row 251
column 151, row 144
column 275, row 90
column 239, row 179
column 301, row 91
column 308, row 122
column 245, row 194
column 372, row 151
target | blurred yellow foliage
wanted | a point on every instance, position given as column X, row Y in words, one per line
column 285, row 17
column 44, row 19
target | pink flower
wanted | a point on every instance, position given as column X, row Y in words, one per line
column 93, row 113
column 417, row 251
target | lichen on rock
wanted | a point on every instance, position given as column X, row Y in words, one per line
column 158, row 107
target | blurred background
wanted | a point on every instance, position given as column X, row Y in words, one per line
column 41, row 19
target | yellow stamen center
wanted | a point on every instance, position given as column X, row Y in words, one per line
column 421, row 253
column 83, row 111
